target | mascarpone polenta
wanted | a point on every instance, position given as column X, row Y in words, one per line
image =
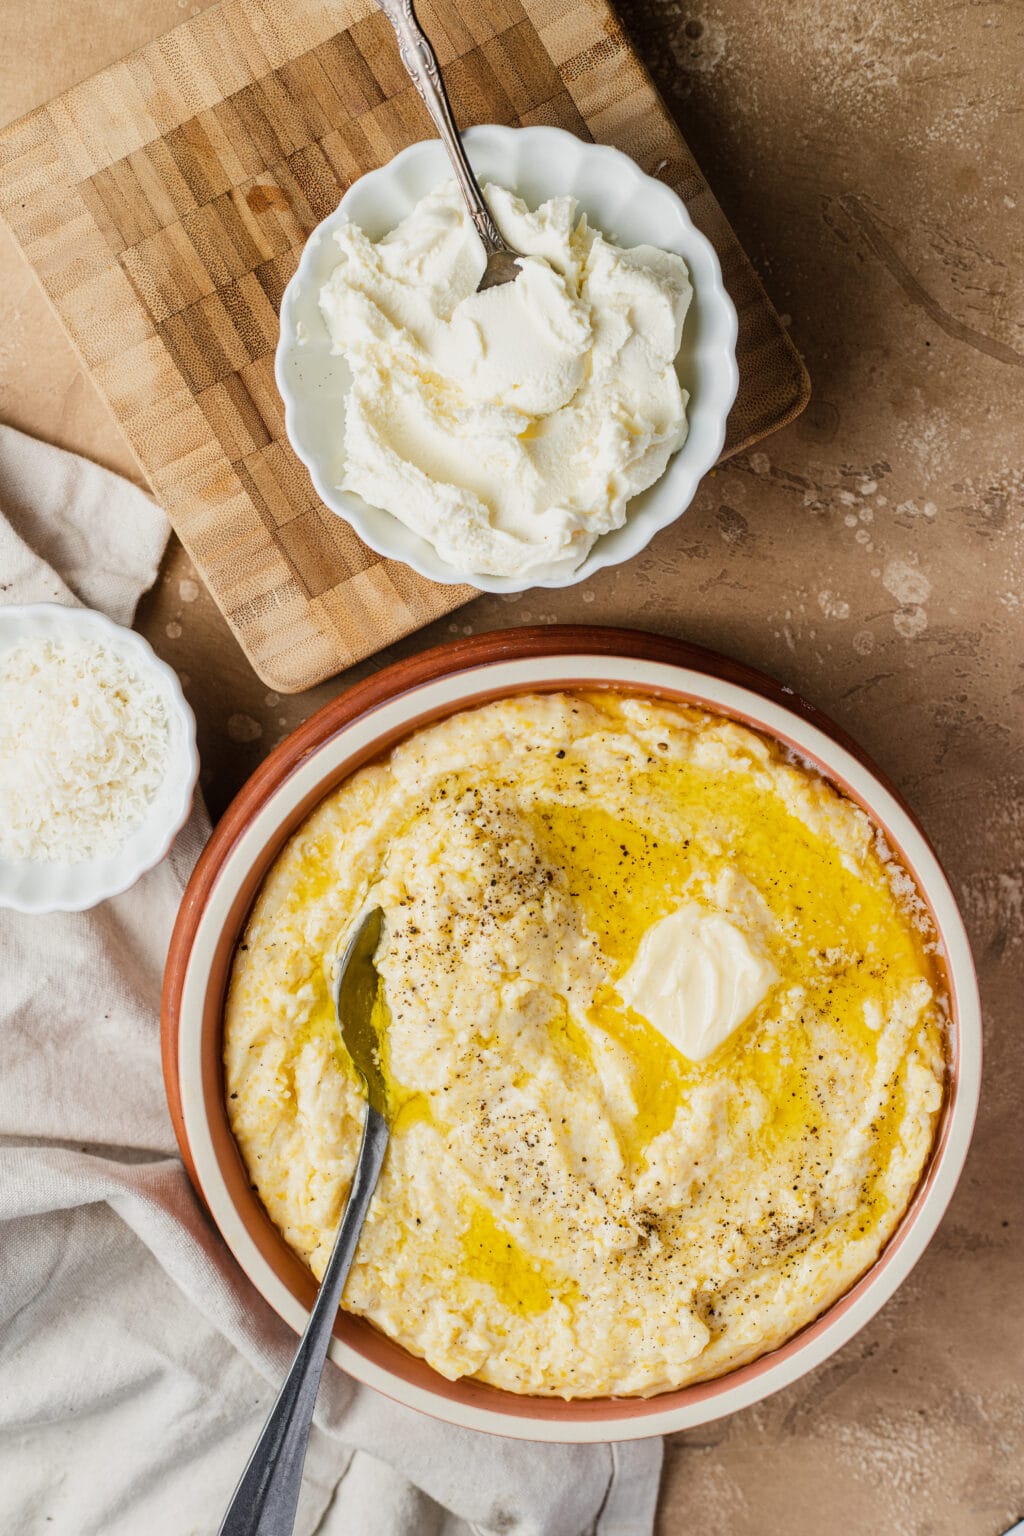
column 570, row 1205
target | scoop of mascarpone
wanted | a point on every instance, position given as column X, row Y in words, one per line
column 509, row 428
column 696, row 977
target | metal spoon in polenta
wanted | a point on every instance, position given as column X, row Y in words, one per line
column 265, row 1501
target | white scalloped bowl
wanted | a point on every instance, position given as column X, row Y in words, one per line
column 37, row 887
column 620, row 200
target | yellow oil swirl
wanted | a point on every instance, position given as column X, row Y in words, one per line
column 522, row 1283
column 842, row 938
column 405, row 1105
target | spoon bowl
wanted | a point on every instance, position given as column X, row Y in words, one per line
column 359, row 1006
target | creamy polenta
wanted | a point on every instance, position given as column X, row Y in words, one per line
column 571, row 1204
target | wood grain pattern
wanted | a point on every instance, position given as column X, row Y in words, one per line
column 163, row 206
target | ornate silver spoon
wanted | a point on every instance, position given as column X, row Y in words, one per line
column 424, row 71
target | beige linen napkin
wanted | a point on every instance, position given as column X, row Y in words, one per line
column 136, row 1361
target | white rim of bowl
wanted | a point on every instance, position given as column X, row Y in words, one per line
column 712, row 292
column 448, row 694
column 60, row 619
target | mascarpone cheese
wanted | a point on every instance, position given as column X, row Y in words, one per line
column 509, row 428
column 696, row 977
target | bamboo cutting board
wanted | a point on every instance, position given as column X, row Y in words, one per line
column 163, row 205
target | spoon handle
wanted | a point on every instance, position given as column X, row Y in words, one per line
column 265, row 1501
column 424, row 71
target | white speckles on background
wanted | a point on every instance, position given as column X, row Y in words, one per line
column 911, row 509
column 188, row 590
column 905, row 580
column 908, row 584
column 929, row 445
column 833, row 607
column 910, row 621
column 173, row 630
column 243, row 728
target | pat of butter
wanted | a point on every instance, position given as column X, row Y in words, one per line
column 696, row 978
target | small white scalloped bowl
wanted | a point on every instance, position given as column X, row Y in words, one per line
column 36, row 886
column 536, row 163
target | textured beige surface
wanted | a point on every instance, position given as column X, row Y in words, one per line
column 872, row 556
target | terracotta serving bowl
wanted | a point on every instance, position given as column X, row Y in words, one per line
column 359, row 725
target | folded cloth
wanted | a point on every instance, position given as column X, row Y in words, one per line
column 137, row 1361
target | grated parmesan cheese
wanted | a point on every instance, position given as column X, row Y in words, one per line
column 84, row 739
